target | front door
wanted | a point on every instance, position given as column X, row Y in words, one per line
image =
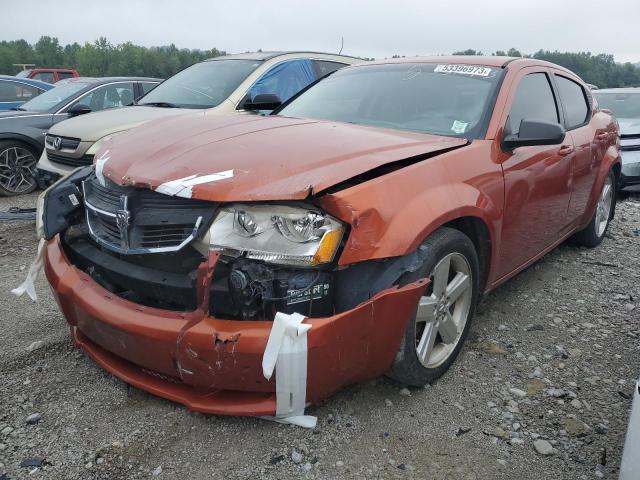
column 537, row 178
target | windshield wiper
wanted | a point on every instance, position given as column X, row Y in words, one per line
column 159, row 104
column 19, row 108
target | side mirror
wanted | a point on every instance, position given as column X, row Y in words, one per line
column 263, row 101
column 78, row 109
column 534, row 132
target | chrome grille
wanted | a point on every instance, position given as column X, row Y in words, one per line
column 133, row 220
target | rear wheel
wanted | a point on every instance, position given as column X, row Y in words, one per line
column 17, row 168
column 593, row 234
column 436, row 333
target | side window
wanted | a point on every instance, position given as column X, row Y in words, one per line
column 9, row 92
column 16, row 92
column 285, row 79
column 324, row 67
column 44, row 77
column 534, row 100
column 26, row 92
column 147, row 87
column 63, row 75
column 574, row 101
column 108, row 96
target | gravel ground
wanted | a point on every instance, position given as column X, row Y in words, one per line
column 541, row 391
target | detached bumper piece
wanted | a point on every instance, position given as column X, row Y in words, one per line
column 214, row 365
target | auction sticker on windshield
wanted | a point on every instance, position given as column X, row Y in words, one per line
column 463, row 69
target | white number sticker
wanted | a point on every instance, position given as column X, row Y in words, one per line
column 463, row 69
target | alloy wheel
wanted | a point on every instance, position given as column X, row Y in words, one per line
column 17, row 170
column 442, row 315
column 604, row 207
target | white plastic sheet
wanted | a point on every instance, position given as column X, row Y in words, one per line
column 28, row 285
column 286, row 351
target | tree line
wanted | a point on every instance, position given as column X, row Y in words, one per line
column 600, row 70
column 101, row 58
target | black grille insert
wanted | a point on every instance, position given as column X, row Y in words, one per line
column 133, row 220
column 72, row 162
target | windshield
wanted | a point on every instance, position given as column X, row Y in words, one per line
column 54, row 98
column 203, row 85
column 440, row 99
column 623, row 105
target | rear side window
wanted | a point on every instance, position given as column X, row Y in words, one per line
column 534, row 100
column 574, row 101
column 63, row 75
column 324, row 67
column 44, row 77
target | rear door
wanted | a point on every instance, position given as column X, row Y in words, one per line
column 586, row 160
column 537, row 178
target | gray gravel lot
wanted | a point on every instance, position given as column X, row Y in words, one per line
column 541, row 391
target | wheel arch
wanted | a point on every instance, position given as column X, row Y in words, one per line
column 22, row 138
column 610, row 161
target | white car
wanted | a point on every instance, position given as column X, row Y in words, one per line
column 221, row 85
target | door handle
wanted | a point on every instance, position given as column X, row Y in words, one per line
column 566, row 150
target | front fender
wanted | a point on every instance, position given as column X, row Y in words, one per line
column 387, row 224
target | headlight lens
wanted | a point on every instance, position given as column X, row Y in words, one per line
column 277, row 234
column 96, row 146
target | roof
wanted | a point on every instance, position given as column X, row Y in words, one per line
column 28, row 81
column 484, row 60
column 617, row 90
column 262, row 56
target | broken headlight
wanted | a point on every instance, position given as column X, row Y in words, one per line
column 276, row 234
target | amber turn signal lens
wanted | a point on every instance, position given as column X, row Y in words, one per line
column 328, row 247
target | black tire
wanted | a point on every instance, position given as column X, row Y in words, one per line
column 407, row 368
column 20, row 179
column 592, row 235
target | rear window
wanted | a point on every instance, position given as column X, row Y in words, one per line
column 574, row 100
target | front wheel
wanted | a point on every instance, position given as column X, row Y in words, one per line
column 17, row 168
column 593, row 234
column 436, row 333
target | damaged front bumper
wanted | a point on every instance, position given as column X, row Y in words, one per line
column 214, row 365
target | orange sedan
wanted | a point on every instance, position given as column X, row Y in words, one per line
column 346, row 236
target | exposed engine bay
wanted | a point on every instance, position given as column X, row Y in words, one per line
column 155, row 262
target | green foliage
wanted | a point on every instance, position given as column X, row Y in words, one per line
column 101, row 58
column 600, row 70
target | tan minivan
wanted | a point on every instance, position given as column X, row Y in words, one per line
column 226, row 84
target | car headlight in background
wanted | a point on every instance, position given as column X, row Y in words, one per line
column 276, row 234
column 96, row 146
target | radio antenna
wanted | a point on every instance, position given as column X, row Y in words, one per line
column 341, row 45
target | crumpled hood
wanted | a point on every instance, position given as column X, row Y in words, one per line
column 93, row 126
column 629, row 126
column 249, row 157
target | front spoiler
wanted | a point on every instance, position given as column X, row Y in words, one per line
column 213, row 365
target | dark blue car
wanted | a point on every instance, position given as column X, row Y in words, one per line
column 14, row 91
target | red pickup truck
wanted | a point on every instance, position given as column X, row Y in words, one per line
column 49, row 75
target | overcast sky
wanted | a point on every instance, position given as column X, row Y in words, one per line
column 371, row 28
